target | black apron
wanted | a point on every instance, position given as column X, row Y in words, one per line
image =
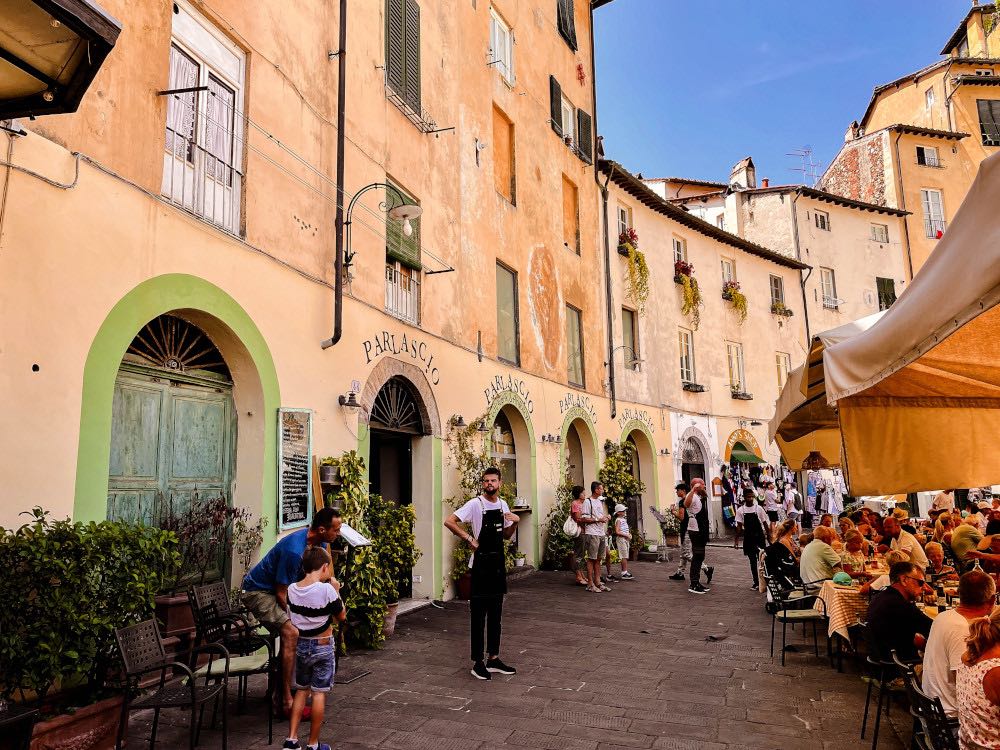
column 489, row 570
column 753, row 533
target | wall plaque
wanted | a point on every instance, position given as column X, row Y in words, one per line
column 294, row 462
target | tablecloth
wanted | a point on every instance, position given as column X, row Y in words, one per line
column 845, row 606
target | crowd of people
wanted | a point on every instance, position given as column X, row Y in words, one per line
column 957, row 650
column 598, row 534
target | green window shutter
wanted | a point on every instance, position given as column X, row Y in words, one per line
column 411, row 54
column 395, row 75
column 886, row 292
column 567, row 22
column 398, row 246
column 555, row 105
column 584, row 136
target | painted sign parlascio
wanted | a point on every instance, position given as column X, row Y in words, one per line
column 295, row 500
column 403, row 346
column 503, row 384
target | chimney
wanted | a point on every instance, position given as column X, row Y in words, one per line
column 765, row 182
column 743, row 175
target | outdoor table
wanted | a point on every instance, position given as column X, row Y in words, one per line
column 845, row 606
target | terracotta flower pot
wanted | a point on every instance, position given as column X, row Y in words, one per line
column 93, row 727
column 463, row 586
column 174, row 614
column 389, row 625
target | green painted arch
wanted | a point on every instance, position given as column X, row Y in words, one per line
column 516, row 402
column 572, row 414
column 637, row 425
column 149, row 299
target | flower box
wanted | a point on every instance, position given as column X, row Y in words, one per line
column 694, row 388
column 727, row 295
column 623, row 250
column 779, row 309
column 742, row 396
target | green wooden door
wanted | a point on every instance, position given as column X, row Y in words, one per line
column 171, row 436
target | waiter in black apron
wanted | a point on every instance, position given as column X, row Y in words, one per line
column 752, row 522
column 492, row 523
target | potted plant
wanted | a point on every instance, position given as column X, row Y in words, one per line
column 519, row 559
column 691, row 301
column 637, row 543
column 391, row 526
column 68, row 587
column 460, row 574
column 638, row 270
column 557, row 548
column 671, row 528
column 731, row 293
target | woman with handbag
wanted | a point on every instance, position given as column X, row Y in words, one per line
column 573, row 528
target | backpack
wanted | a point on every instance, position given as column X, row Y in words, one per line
column 797, row 501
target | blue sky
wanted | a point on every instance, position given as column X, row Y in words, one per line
column 690, row 88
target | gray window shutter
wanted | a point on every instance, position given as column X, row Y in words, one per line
column 411, row 39
column 555, row 105
column 989, row 121
column 395, row 76
column 584, row 136
column 567, row 22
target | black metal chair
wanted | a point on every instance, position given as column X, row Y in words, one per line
column 911, row 682
column 142, row 652
column 933, row 729
column 788, row 610
column 255, row 654
column 881, row 672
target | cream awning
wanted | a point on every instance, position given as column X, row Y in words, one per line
column 918, row 393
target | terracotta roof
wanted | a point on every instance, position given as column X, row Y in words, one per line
column 703, row 197
column 898, row 82
column 635, row 187
column 839, row 200
column 961, row 31
column 926, row 132
column 974, row 80
column 686, row 181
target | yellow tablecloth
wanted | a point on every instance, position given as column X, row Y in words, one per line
column 845, row 606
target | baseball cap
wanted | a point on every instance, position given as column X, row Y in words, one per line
column 620, row 508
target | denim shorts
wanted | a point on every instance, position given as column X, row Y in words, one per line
column 314, row 665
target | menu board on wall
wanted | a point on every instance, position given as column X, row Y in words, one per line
column 294, row 462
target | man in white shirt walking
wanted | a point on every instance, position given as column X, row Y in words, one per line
column 696, row 506
column 944, row 500
column 946, row 642
column 595, row 519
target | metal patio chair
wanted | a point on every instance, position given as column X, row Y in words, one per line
column 792, row 611
column 142, row 652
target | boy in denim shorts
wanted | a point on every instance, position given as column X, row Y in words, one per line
column 313, row 604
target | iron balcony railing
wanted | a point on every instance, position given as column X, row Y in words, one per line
column 402, row 294
column 934, row 228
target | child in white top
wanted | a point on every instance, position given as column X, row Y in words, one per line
column 623, row 540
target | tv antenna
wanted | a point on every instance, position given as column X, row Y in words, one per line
column 809, row 168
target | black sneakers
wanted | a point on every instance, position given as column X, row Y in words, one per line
column 697, row 588
column 291, row 744
column 678, row 576
column 495, row 665
column 709, row 572
column 480, row 672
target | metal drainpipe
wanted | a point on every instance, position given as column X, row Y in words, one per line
column 607, row 245
column 902, row 205
column 798, row 256
column 338, row 222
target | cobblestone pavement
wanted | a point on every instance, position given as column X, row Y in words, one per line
column 627, row 669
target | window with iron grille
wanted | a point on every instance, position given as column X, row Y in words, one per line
column 203, row 155
column 880, row 233
column 933, row 206
column 886, row 292
column 989, row 121
column 574, row 345
column 402, row 51
column 928, row 156
column 829, row 283
column 402, row 262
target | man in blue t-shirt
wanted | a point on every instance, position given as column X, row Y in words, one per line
column 265, row 587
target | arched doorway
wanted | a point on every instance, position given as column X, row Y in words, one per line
column 692, row 460
column 643, row 469
column 511, row 447
column 394, row 421
column 173, row 424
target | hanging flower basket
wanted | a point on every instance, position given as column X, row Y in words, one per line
column 629, row 239
column 778, row 308
column 692, row 301
column 681, row 269
column 731, row 293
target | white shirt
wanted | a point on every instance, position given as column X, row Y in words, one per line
column 943, row 501
column 692, row 512
column 320, row 596
column 472, row 514
column 594, row 507
column 743, row 511
column 908, row 543
column 943, row 656
column 621, row 526
column 770, row 500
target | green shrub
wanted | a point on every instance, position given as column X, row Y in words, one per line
column 557, row 545
column 391, row 525
column 66, row 588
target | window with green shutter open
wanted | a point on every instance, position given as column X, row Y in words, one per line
column 398, row 246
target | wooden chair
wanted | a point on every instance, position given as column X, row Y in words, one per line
column 255, row 653
column 795, row 610
column 142, row 652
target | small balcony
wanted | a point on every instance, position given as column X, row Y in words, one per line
column 693, row 387
column 934, row 228
column 739, row 393
column 831, row 303
column 402, row 293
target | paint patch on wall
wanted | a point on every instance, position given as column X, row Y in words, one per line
column 545, row 304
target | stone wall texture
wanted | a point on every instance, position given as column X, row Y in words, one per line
column 862, row 171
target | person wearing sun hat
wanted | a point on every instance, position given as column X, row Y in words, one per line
column 623, row 539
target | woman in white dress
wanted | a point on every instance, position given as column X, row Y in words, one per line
column 978, row 686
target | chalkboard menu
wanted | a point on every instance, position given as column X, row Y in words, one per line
column 294, row 466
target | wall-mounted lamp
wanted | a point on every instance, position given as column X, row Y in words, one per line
column 549, row 438
column 664, row 451
column 458, row 421
column 350, row 401
column 756, row 423
column 482, row 426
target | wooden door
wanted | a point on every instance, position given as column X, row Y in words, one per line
column 169, row 438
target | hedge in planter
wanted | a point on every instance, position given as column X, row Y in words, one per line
column 68, row 586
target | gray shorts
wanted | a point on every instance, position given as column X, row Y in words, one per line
column 264, row 606
column 580, row 550
column 597, row 547
column 622, row 545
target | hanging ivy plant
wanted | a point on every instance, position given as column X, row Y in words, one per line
column 638, row 269
column 691, row 302
column 616, row 473
column 731, row 292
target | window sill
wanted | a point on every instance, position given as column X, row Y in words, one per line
column 508, row 362
column 577, row 386
column 510, row 201
column 741, row 396
column 694, row 388
column 421, row 120
column 836, row 308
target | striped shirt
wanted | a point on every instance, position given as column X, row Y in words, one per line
column 312, row 607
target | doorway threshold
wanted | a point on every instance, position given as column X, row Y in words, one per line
column 406, row 606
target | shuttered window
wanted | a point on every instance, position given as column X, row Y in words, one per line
column 584, row 136
column 555, row 105
column 574, row 345
column 571, row 215
column 567, row 22
column 503, row 155
column 630, row 339
column 402, row 50
column 989, row 121
column 685, row 340
column 886, row 292
column 398, row 246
